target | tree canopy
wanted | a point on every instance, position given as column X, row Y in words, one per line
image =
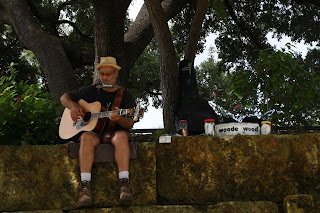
column 251, row 77
column 68, row 37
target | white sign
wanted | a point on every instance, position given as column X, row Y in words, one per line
column 230, row 129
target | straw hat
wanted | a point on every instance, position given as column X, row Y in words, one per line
column 107, row 62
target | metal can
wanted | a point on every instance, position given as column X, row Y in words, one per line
column 265, row 127
column 209, row 127
column 183, row 127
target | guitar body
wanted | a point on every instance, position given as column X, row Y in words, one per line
column 68, row 130
column 95, row 120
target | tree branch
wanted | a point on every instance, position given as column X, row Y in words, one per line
column 306, row 2
column 168, row 61
column 61, row 6
column 191, row 48
column 141, row 32
column 127, row 4
column 78, row 55
column 53, row 20
column 153, row 93
column 4, row 16
column 48, row 20
column 47, row 48
column 84, row 36
column 34, row 10
column 248, row 31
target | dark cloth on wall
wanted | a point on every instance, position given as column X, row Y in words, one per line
column 103, row 152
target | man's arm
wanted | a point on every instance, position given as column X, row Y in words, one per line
column 75, row 109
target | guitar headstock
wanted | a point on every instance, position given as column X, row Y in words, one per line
column 135, row 113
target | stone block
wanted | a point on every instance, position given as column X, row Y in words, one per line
column 38, row 211
column 302, row 203
column 207, row 170
column 45, row 177
column 227, row 207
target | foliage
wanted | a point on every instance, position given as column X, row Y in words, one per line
column 288, row 92
column 144, row 81
column 211, row 76
column 296, row 19
column 245, row 29
column 278, row 89
column 242, row 28
column 11, row 50
column 181, row 25
column 213, row 82
column 27, row 114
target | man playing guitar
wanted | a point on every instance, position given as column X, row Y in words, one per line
column 107, row 94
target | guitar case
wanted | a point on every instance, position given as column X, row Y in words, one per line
column 193, row 108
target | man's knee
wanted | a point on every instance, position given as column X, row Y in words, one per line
column 120, row 138
column 89, row 139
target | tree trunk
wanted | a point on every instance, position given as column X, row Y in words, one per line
column 55, row 57
column 140, row 32
column 109, row 32
column 169, row 74
column 47, row 48
column 191, row 49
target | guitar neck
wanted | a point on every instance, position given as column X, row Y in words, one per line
column 107, row 114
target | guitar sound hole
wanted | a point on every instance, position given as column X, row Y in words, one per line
column 87, row 117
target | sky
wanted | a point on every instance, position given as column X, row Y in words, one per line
column 153, row 119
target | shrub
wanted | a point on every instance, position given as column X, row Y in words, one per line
column 27, row 114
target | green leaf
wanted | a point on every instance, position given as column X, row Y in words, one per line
column 239, row 96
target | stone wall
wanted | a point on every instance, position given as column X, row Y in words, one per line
column 207, row 170
column 44, row 177
column 270, row 173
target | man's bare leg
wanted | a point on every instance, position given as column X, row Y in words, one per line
column 120, row 140
column 88, row 141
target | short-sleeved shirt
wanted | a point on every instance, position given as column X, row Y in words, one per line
column 92, row 93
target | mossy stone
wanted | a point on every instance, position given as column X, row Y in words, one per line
column 228, row 207
column 302, row 203
column 207, row 170
column 45, row 177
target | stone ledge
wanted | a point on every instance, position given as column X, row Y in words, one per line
column 292, row 204
column 207, row 170
column 239, row 207
column 190, row 171
column 45, row 177
column 38, row 211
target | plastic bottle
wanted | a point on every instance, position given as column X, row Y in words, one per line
column 265, row 127
column 209, row 127
column 183, row 127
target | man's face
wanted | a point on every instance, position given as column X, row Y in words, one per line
column 108, row 75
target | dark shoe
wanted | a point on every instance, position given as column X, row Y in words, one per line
column 125, row 192
column 85, row 198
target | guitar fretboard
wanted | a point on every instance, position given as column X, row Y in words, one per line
column 107, row 114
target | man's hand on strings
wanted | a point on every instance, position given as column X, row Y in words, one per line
column 115, row 116
column 76, row 112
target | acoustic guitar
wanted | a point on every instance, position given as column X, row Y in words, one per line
column 93, row 119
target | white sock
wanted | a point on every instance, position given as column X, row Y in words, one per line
column 124, row 174
column 85, row 176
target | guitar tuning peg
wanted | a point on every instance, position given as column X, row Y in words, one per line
column 136, row 114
